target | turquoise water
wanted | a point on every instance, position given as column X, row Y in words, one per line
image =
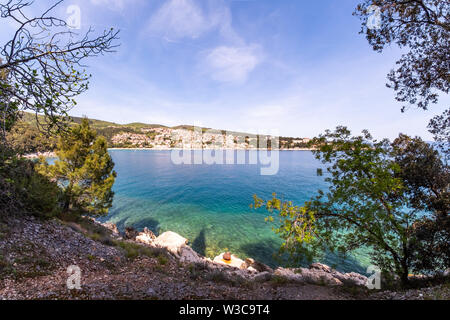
column 209, row 204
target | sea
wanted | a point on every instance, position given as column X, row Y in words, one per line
column 209, row 203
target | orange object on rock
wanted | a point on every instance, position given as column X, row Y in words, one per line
column 227, row 256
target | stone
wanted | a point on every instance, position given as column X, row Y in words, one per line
column 188, row 255
column 111, row 227
column 260, row 267
column 172, row 241
column 262, row 277
column 149, row 233
column 146, row 237
column 251, row 269
column 320, row 266
column 130, row 233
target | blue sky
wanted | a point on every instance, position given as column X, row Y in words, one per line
column 293, row 66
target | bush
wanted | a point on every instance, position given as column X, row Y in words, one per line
column 23, row 190
column 134, row 250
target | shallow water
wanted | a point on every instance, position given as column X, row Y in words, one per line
column 209, row 204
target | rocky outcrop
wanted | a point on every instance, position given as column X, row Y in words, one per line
column 146, row 237
column 258, row 266
column 317, row 273
column 111, row 227
column 130, row 233
column 173, row 243
column 321, row 274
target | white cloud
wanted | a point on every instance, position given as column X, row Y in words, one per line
column 112, row 4
column 178, row 19
column 232, row 64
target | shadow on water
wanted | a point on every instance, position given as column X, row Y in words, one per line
column 342, row 263
column 149, row 223
column 199, row 243
column 267, row 251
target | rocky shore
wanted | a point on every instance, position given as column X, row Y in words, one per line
column 35, row 255
column 318, row 274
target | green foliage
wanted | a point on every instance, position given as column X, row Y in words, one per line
column 426, row 179
column 369, row 202
column 295, row 225
column 84, row 171
column 422, row 29
column 43, row 63
column 23, row 190
column 133, row 250
column 26, row 138
column 439, row 127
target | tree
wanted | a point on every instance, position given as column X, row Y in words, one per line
column 423, row 28
column 25, row 138
column 84, row 171
column 440, row 127
column 8, row 109
column 427, row 183
column 41, row 67
column 367, row 205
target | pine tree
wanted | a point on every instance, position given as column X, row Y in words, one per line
column 84, row 170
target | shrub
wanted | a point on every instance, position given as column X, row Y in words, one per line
column 23, row 190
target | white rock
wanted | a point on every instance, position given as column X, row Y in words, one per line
column 172, row 241
column 234, row 262
column 251, row 269
column 188, row 255
column 144, row 238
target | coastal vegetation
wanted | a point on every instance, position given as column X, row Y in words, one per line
column 392, row 197
column 84, row 171
column 44, row 75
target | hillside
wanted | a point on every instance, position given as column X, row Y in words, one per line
column 35, row 256
column 152, row 136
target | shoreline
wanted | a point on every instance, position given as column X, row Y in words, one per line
column 52, row 154
column 221, row 149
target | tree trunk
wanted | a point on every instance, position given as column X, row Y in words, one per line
column 404, row 274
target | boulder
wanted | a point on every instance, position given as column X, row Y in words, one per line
column 252, row 270
column 260, row 267
column 146, row 237
column 321, row 267
column 172, row 241
column 130, row 233
column 262, row 277
column 188, row 255
column 351, row 279
column 111, row 227
column 311, row 276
